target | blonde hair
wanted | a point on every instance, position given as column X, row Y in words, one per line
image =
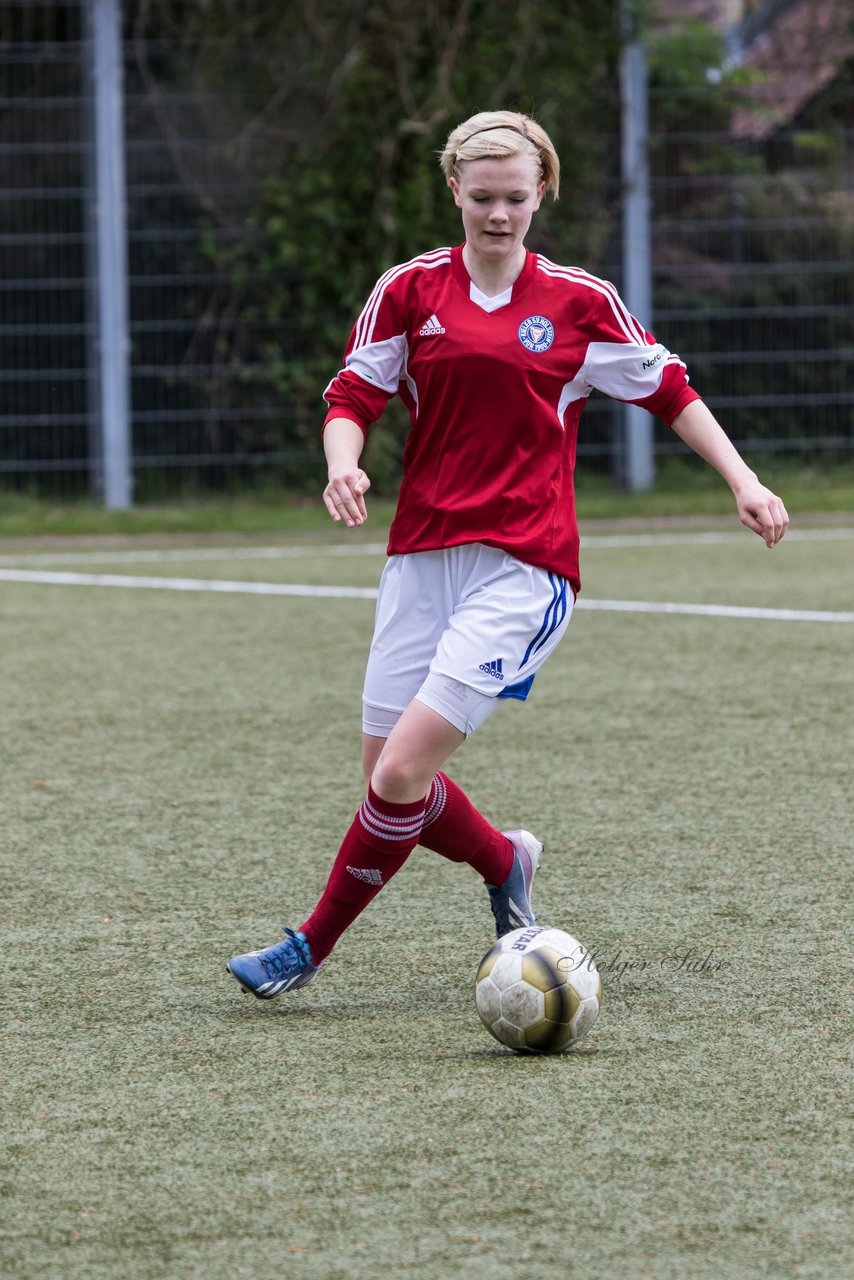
column 497, row 135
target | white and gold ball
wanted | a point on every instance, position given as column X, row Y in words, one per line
column 538, row 990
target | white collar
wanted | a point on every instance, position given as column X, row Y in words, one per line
column 487, row 303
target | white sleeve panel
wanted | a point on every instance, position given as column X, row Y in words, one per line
column 380, row 363
column 625, row 370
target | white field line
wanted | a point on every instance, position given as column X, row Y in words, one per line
column 715, row 610
column 593, row 542
column 166, row 555
column 48, row 578
column 603, row 541
column 138, row 582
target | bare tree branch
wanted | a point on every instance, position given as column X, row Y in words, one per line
column 171, row 135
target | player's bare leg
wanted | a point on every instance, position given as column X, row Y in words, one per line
column 371, row 750
column 417, row 747
column 453, row 828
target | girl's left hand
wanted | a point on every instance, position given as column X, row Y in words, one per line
column 762, row 511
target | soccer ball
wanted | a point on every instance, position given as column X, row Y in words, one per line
column 538, row 990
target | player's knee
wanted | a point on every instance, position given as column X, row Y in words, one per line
column 400, row 778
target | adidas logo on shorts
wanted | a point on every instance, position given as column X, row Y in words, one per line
column 495, row 668
column 432, row 326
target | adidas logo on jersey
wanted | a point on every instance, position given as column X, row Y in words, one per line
column 431, row 327
column 495, row 668
column 367, row 875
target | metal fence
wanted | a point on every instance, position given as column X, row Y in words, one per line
column 752, row 283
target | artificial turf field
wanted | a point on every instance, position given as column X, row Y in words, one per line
column 178, row 769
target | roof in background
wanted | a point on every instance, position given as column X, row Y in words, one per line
column 798, row 46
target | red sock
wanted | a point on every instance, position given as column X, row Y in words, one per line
column 455, row 829
column 380, row 839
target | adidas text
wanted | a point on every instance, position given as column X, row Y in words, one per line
column 433, row 326
column 368, row 875
column 495, row 669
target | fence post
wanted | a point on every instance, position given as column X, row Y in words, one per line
column 110, row 352
column 637, row 424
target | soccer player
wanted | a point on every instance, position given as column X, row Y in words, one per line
column 494, row 350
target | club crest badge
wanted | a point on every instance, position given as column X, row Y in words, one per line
column 536, row 333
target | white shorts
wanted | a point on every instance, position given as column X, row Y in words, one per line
column 460, row 629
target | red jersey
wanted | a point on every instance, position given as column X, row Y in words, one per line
column 495, row 390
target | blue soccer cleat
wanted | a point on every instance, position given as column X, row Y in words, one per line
column 276, row 969
column 511, row 901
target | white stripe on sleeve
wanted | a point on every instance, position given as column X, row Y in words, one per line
column 367, row 320
column 624, row 318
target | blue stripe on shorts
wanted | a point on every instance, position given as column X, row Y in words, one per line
column 552, row 618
